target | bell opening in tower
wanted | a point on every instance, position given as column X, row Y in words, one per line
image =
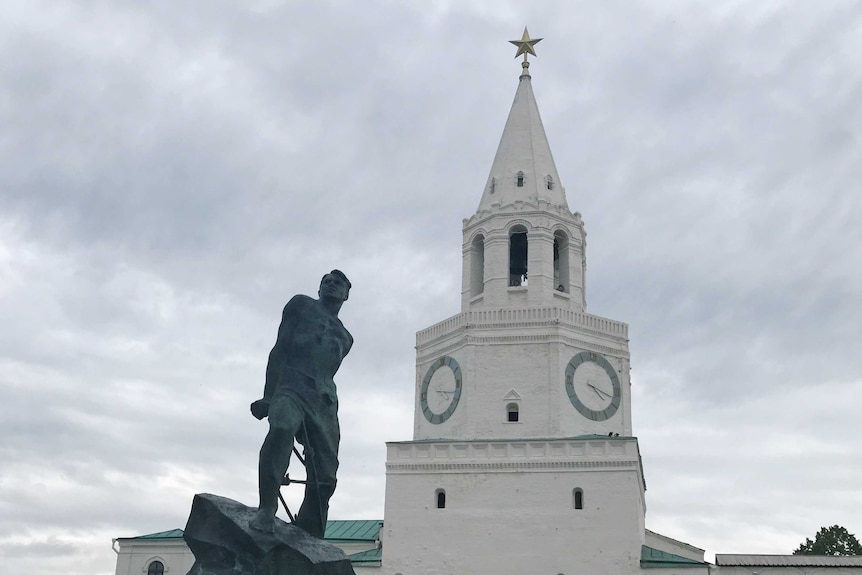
column 477, row 266
column 561, row 261
column 518, row 256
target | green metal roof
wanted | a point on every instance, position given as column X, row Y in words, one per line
column 825, row 561
column 336, row 530
column 172, row 534
column 353, row 530
column 369, row 557
column 655, row 558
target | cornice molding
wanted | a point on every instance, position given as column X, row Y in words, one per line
column 510, row 466
column 524, row 209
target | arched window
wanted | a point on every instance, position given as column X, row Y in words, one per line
column 477, row 266
column 519, row 179
column 493, row 185
column 549, row 182
column 156, row 568
column 512, row 413
column 518, row 256
column 578, row 498
column 440, row 495
column 561, row 261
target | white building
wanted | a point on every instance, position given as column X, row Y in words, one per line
column 167, row 553
column 523, row 458
column 522, row 427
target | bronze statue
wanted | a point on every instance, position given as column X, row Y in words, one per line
column 300, row 399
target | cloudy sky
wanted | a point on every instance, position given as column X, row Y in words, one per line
column 172, row 172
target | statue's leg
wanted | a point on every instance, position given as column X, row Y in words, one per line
column 285, row 419
column 323, row 437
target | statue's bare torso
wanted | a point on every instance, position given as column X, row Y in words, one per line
column 310, row 341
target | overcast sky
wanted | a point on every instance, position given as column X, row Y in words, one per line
column 172, row 172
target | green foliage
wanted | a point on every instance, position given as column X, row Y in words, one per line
column 835, row 540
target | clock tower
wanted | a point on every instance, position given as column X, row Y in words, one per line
column 522, row 458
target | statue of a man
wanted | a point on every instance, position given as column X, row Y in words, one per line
column 300, row 399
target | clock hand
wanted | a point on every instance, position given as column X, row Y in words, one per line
column 601, row 393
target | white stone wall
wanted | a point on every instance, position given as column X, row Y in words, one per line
column 525, row 352
column 135, row 555
column 509, row 508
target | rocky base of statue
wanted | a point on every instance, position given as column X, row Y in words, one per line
column 223, row 543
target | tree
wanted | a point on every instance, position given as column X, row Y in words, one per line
column 835, row 540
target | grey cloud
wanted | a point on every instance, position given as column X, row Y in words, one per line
column 166, row 172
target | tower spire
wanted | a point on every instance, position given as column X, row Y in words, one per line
column 523, row 168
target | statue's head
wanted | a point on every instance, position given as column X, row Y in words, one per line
column 334, row 285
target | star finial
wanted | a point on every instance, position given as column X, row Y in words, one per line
column 525, row 46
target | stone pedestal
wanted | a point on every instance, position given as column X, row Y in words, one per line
column 223, row 543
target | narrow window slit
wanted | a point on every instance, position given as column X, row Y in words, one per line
column 578, row 498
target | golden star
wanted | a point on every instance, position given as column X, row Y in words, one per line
column 525, row 44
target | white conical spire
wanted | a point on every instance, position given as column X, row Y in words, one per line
column 523, row 150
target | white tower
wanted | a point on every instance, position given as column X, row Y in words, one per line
column 522, row 459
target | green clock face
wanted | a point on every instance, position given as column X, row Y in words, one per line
column 440, row 390
column 593, row 386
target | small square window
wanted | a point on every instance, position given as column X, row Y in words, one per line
column 512, row 413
